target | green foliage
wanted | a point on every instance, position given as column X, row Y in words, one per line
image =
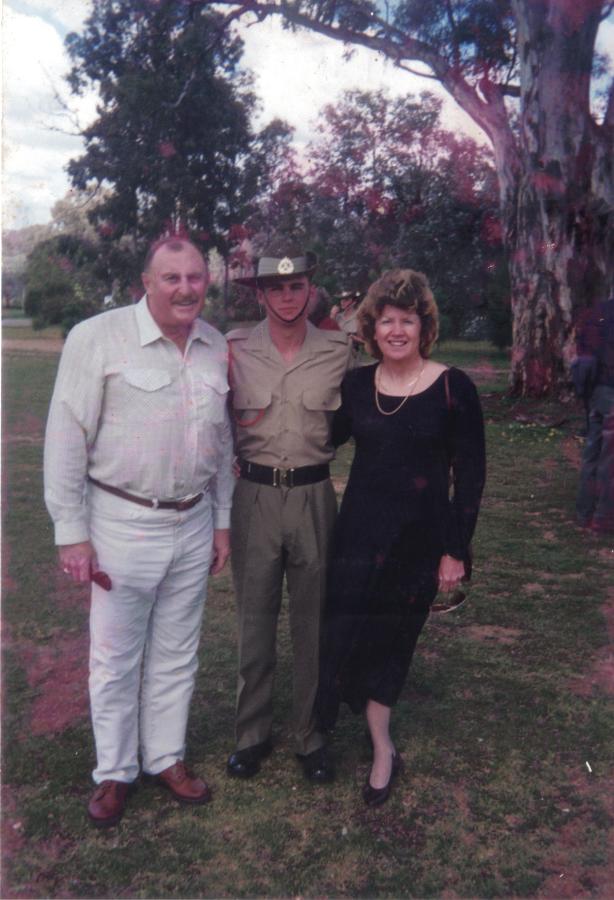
column 475, row 34
column 64, row 283
column 173, row 138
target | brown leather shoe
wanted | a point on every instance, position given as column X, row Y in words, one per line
column 183, row 784
column 108, row 802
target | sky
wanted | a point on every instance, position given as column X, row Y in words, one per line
column 296, row 75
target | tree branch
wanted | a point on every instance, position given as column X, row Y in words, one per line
column 411, row 71
column 489, row 113
column 183, row 93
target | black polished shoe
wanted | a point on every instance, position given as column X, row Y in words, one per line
column 376, row 796
column 317, row 766
column 246, row 763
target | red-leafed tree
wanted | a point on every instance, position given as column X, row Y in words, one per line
column 382, row 188
column 522, row 70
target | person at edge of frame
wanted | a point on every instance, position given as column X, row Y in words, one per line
column 345, row 314
column 138, row 482
column 318, row 310
column 595, row 344
column 285, row 378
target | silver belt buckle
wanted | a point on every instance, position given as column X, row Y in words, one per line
column 185, row 501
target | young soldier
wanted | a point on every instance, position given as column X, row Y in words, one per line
column 285, row 379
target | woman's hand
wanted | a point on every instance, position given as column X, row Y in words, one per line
column 451, row 571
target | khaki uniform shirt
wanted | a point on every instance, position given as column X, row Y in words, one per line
column 283, row 411
column 347, row 320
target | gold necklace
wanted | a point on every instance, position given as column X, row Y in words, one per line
column 412, row 385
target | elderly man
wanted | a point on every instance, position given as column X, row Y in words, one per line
column 285, row 378
column 138, row 482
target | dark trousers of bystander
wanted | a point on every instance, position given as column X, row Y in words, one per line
column 595, row 499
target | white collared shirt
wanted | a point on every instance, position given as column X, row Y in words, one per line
column 130, row 411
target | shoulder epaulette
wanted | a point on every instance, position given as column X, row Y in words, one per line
column 238, row 334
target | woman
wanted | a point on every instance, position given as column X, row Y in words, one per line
column 399, row 537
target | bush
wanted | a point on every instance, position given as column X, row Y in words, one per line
column 499, row 322
column 62, row 286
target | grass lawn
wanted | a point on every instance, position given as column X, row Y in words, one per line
column 506, row 724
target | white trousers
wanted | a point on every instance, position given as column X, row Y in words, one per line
column 144, row 633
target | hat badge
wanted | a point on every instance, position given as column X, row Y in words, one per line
column 285, row 266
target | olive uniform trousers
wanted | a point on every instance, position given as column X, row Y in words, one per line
column 277, row 531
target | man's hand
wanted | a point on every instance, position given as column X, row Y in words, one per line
column 78, row 560
column 451, row 571
column 221, row 550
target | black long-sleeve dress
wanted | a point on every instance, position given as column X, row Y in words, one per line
column 397, row 520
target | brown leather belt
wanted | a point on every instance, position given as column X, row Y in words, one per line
column 180, row 505
column 274, row 477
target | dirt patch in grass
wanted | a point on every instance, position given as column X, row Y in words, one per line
column 67, row 593
column 484, row 372
column 572, row 451
column 533, row 588
column 48, row 345
column 569, row 878
column 27, row 427
column 601, row 674
column 57, row 672
column 496, row 633
column 12, row 828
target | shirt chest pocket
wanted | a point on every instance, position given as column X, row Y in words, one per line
column 211, row 395
column 147, row 379
column 249, row 403
column 322, row 399
column 142, row 395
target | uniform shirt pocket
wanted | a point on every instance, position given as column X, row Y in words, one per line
column 251, row 399
column 322, row 400
column 248, row 404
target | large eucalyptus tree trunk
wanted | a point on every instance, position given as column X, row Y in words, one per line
column 558, row 209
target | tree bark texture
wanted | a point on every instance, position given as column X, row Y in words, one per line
column 559, row 213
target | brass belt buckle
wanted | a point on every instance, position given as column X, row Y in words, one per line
column 283, row 477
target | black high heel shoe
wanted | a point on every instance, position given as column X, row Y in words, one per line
column 376, row 796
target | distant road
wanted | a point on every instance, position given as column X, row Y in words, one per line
column 17, row 323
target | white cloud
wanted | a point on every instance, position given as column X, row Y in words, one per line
column 69, row 15
column 35, row 154
column 298, row 73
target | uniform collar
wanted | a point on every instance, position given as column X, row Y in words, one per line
column 316, row 340
column 149, row 330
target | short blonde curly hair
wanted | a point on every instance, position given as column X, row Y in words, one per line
column 404, row 289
